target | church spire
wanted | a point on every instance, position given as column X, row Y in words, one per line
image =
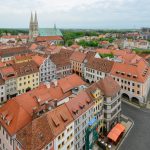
column 31, row 19
column 35, row 19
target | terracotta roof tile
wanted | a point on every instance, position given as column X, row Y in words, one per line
column 38, row 59
column 34, row 136
column 80, row 104
column 78, row 56
column 8, row 72
column 70, row 82
column 13, row 51
column 100, row 64
column 109, row 86
column 25, row 68
column 20, row 117
column 48, row 38
column 138, row 72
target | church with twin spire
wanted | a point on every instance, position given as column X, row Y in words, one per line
column 36, row 32
column 33, row 28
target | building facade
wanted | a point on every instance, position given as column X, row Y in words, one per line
column 96, row 69
column 81, row 108
column 9, row 75
column 47, row 69
column 2, row 90
column 27, row 76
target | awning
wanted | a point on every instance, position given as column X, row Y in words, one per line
column 116, row 132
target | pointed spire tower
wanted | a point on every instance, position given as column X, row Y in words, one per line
column 33, row 29
column 35, row 19
column 31, row 25
column 31, row 19
column 35, row 25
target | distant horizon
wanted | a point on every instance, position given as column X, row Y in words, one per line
column 76, row 14
column 71, row 28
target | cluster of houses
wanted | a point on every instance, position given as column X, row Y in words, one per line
column 64, row 91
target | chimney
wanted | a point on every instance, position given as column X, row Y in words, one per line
column 48, row 85
column 55, row 82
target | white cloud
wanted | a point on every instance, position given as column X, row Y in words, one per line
column 77, row 13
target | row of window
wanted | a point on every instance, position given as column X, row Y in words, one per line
column 5, row 134
column 130, row 90
column 126, row 82
column 20, row 84
column 21, row 78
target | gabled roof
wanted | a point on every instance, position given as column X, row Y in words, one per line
column 43, row 130
column 78, row 56
column 13, row 51
column 38, row 59
column 79, row 104
column 25, row 68
column 48, row 38
column 35, row 135
column 21, row 109
column 99, row 64
column 138, row 72
column 108, row 86
column 19, row 117
column 8, row 72
column 62, row 58
column 70, row 82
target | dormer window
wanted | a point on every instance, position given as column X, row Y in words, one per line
column 123, row 73
column 134, row 76
column 88, row 101
column 75, row 111
column 81, row 105
column 4, row 114
column 9, row 119
column 129, row 75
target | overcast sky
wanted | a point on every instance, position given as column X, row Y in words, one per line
column 76, row 13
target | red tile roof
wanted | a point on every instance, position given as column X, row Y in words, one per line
column 33, row 46
column 8, row 72
column 48, row 38
column 100, row 64
column 23, row 107
column 114, row 52
column 19, row 116
column 78, row 56
column 38, row 59
column 36, row 135
column 43, row 130
column 138, row 72
column 25, row 68
column 80, row 104
column 108, row 86
column 13, row 51
column 2, row 64
column 70, row 82
column 130, row 58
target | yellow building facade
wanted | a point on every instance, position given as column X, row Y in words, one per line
column 98, row 107
column 27, row 82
